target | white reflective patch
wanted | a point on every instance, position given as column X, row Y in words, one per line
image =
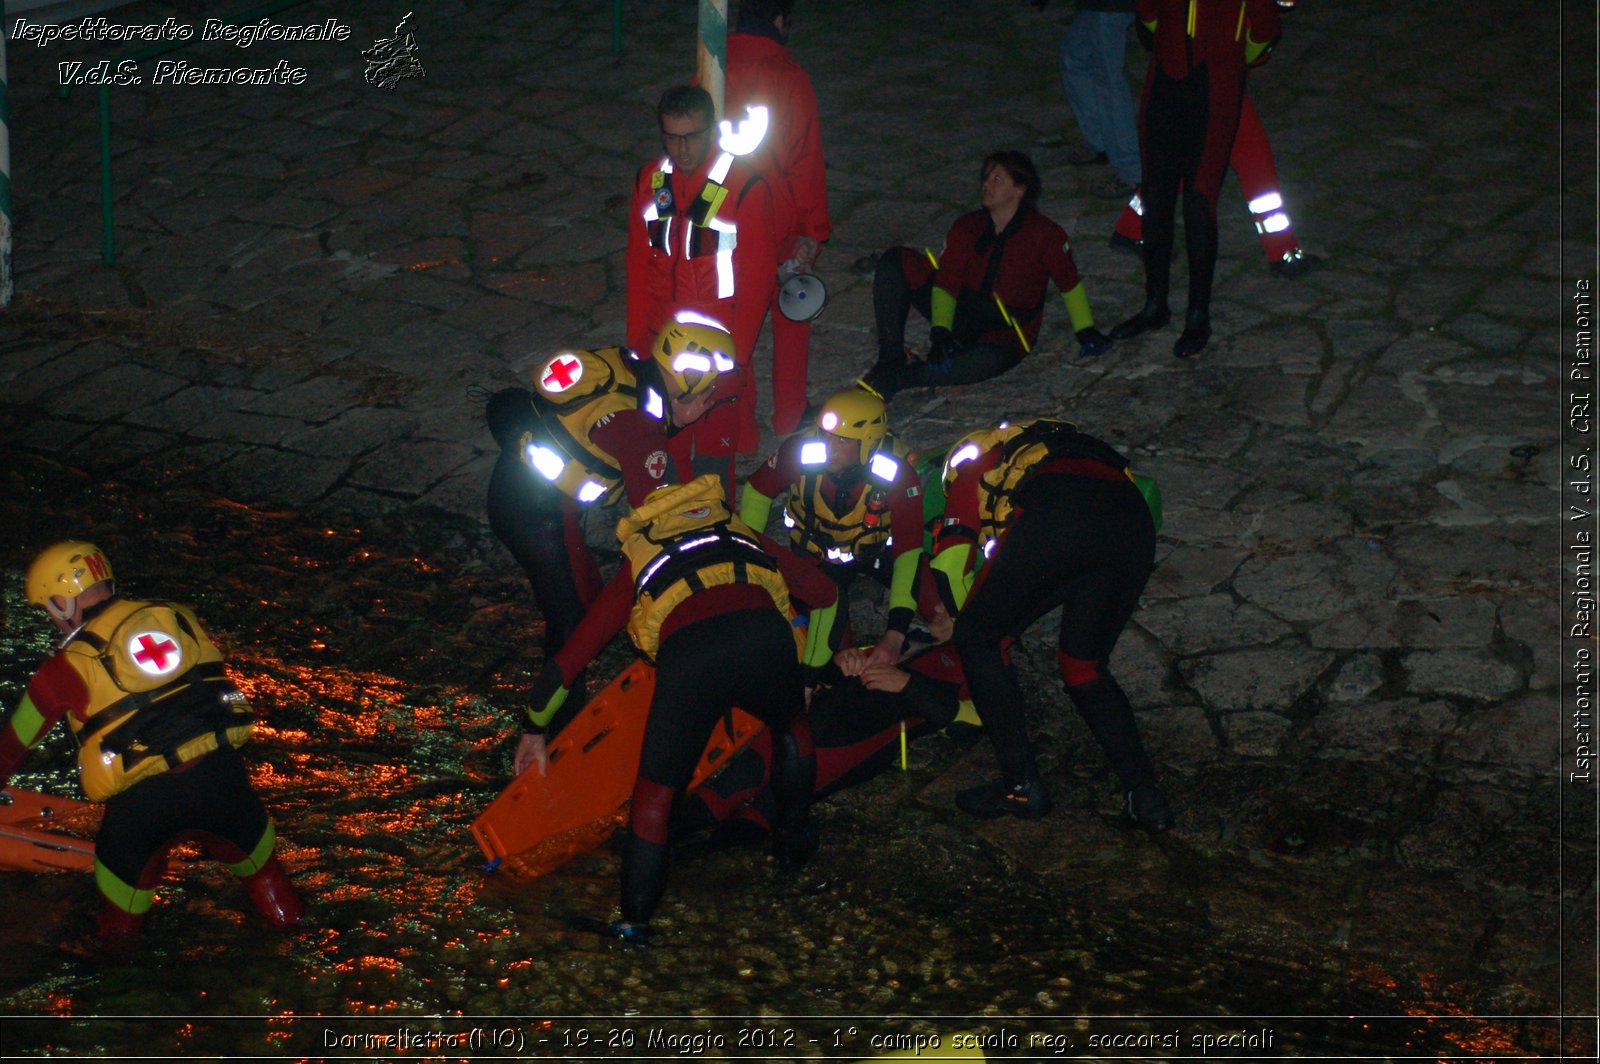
column 155, row 652
column 830, row 421
column 813, row 452
column 722, row 225
column 788, row 519
column 725, row 274
column 1137, row 204
column 653, row 404
column 691, row 360
column 1267, row 201
column 694, row 317
column 749, row 134
column 721, row 361
column 884, row 468
column 547, row 462
column 589, row 491
column 965, row 453
column 650, row 212
column 1275, row 223
column 988, row 548
column 720, row 169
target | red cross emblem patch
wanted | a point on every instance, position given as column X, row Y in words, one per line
column 561, row 373
column 155, row 653
column 656, row 464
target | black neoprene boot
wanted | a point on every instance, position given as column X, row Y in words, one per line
column 1027, row 800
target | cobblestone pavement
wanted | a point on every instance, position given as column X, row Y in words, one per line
column 1350, row 649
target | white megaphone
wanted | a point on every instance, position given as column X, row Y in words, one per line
column 801, row 296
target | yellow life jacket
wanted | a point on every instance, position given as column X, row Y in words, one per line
column 858, row 533
column 683, row 539
column 1025, row 446
column 573, row 391
column 158, row 695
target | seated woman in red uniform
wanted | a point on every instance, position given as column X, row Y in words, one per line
column 984, row 294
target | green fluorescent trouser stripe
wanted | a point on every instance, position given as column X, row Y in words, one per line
column 129, row 899
column 258, row 857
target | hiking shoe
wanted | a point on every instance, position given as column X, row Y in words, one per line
column 1029, row 801
column 794, row 850
column 1295, row 264
column 1083, row 155
column 1112, row 187
column 632, row 934
column 1121, row 242
column 1147, row 807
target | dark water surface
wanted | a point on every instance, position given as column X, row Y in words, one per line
column 384, row 661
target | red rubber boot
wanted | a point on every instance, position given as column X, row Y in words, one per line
column 274, row 896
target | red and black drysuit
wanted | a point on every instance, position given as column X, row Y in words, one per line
column 1251, row 159
column 854, row 730
column 1189, row 116
column 976, row 265
column 1080, row 537
column 542, row 526
column 723, row 647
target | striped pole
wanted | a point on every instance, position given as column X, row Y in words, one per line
column 712, row 52
column 6, row 286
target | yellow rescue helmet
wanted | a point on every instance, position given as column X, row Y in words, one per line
column 691, row 350
column 67, row 569
column 964, row 450
column 856, row 414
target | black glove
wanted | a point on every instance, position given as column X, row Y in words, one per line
column 1092, row 343
column 549, row 693
column 942, row 347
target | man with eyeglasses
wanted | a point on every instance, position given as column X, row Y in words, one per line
column 701, row 238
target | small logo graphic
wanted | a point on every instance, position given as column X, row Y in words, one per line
column 561, row 373
column 155, row 653
column 656, row 464
column 697, row 513
column 390, row 59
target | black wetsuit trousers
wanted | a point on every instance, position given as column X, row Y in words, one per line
column 542, row 529
column 894, row 295
column 744, row 658
column 1084, row 545
column 1187, row 144
column 209, row 800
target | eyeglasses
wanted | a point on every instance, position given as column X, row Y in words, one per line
column 671, row 139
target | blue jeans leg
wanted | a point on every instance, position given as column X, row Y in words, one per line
column 1080, row 73
column 1120, row 136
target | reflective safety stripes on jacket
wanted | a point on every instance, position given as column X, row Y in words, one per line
column 158, row 695
column 682, row 540
column 841, row 538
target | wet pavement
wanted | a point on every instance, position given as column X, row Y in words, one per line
column 1348, row 663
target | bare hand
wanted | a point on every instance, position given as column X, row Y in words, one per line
column 531, row 750
column 806, row 250
column 851, row 660
column 941, row 626
column 888, row 650
column 885, row 678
